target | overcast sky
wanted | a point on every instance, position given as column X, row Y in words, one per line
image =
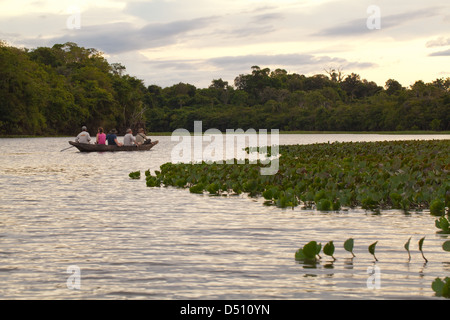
column 165, row 42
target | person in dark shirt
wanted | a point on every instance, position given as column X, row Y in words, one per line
column 112, row 138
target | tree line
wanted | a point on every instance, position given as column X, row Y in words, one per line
column 54, row 91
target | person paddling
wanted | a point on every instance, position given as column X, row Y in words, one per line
column 83, row 136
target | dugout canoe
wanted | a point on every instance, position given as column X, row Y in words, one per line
column 86, row 147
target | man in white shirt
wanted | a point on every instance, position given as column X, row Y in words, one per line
column 129, row 139
column 83, row 136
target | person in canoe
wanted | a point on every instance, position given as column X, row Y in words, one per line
column 129, row 139
column 112, row 138
column 83, row 136
column 101, row 136
column 141, row 138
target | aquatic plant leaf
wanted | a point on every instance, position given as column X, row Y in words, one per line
column 310, row 250
column 336, row 205
column 152, row 181
column 318, row 249
column 348, row 246
column 324, row 205
column 267, row 194
column 282, row 202
column 441, row 287
column 319, row 196
column 421, row 248
column 406, row 246
column 213, row 188
column 329, row 248
column 372, row 249
column 299, row 255
column 443, row 224
column 437, row 208
column 198, row 188
column 237, row 188
column 437, row 223
column 421, row 243
column 438, row 286
column 446, row 246
column 446, row 289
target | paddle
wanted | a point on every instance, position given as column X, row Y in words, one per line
column 67, row 148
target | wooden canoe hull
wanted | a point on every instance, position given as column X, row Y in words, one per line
column 86, row 147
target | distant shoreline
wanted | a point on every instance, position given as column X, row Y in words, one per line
column 155, row 134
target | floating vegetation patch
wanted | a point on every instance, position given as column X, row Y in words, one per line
column 310, row 252
column 135, row 175
column 405, row 175
column 309, row 256
column 441, row 287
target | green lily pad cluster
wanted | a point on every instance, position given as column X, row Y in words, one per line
column 135, row 175
column 407, row 175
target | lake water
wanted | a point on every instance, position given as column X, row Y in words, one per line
column 62, row 209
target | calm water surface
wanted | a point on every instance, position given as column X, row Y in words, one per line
column 61, row 209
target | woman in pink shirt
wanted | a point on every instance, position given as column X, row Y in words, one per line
column 101, row 136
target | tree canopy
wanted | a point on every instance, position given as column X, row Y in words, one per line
column 54, row 91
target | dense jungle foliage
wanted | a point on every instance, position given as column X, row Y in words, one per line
column 54, row 91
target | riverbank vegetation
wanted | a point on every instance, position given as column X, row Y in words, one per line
column 55, row 90
column 403, row 175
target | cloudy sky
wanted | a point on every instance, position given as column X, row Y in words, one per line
column 165, row 42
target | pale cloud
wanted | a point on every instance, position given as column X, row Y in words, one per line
column 267, row 18
column 12, row 8
column 126, row 37
column 441, row 53
column 170, row 71
column 171, row 41
column 439, row 42
column 388, row 22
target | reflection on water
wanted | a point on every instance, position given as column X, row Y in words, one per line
column 61, row 209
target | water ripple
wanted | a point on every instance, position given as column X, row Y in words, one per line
column 64, row 209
